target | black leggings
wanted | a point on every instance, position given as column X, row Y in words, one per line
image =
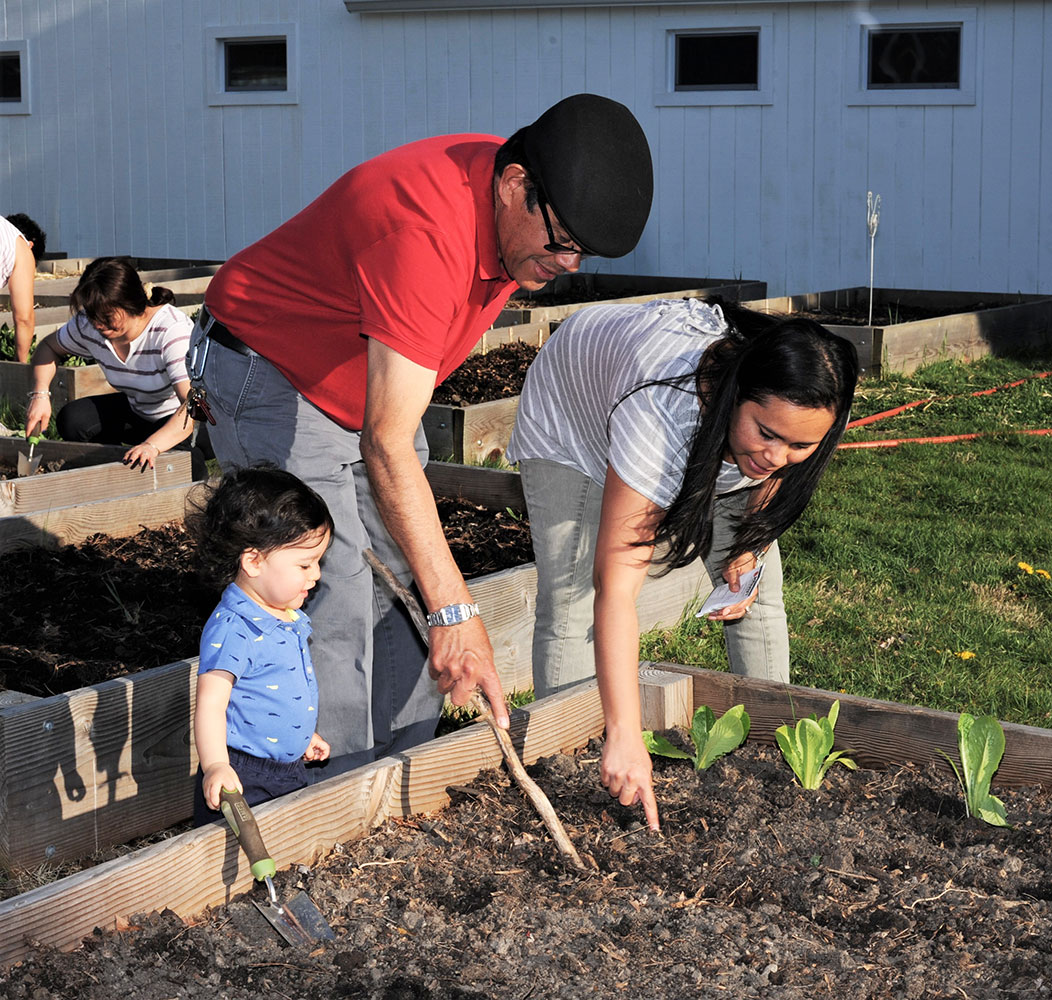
column 109, row 419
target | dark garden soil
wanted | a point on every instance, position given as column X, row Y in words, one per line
column 11, row 471
column 497, row 374
column 875, row 886
column 83, row 614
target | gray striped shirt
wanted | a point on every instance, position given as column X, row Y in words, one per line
column 156, row 359
column 568, row 411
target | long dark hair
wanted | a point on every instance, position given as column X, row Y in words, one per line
column 759, row 359
column 109, row 284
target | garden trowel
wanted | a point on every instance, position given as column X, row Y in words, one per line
column 27, row 464
column 298, row 920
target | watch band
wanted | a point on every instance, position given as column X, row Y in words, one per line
column 452, row 614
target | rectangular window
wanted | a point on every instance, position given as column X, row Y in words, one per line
column 911, row 59
column 14, row 78
column 10, row 77
column 925, row 58
column 714, row 60
column 718, row 61
column 256, row 65
column 252, row 65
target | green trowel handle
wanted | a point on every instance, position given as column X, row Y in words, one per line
column 243, row 823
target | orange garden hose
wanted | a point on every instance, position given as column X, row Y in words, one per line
column 943, row 439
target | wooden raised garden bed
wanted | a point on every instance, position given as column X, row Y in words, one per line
column 914, row 327
column 570, row 292
column 93, row 492
column 69, row 382
column 204, row 868
column 104, row 764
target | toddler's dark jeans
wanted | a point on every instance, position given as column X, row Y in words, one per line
column 261, row 781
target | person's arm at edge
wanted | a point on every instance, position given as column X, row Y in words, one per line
column 620, row 569
column 213, row 696
column 398, row 392
column 45, row 363
column 20, row 290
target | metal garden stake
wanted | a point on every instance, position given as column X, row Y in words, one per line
column 872, row 221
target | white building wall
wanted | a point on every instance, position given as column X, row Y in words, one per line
column 123, row 153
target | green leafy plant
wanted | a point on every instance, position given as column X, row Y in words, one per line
column 711, row 737
column 808, row 747
column 7, row 349
column 981, row 744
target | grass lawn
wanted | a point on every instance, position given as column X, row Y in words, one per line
column 903, row 577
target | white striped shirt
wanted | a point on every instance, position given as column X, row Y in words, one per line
column 156, row 359
column 567, row 410
column 9, row 235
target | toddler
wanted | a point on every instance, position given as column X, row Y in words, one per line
column 263, row 533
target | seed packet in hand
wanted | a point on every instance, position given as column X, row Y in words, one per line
column 723, row 597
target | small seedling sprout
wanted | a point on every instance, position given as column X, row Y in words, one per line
column 981, row 745
column 808, row 747
column 710, row 737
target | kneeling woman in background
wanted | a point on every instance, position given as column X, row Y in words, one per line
column 139, row 340
column 664, row 433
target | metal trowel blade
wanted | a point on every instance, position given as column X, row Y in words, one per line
column 28, row 466
column 298, row 921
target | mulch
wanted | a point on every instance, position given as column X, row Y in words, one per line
column 875, row 886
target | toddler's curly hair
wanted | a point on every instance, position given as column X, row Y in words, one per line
column 261, row 507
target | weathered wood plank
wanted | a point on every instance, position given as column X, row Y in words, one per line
column 1005, row 324
column 69, row 383
column 878, row 733
column 97, row 766
column 110, row 480
column 494, row 489
column 75, row 454
column 593, row 287
column 117, row 517
column 475, row 433
column 664, row 698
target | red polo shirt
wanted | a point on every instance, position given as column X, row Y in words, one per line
column 402, row 248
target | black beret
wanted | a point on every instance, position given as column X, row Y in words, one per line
column 591, row 159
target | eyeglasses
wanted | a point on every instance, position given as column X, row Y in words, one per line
column 552, row 246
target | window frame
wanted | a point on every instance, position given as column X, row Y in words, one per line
column 21, row 48
column 215, row 59
column 856, row 54
column 669, row 28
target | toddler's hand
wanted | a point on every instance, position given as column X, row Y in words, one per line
column 318, row 749
column 216, row 778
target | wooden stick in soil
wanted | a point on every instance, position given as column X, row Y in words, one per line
column 478, row 701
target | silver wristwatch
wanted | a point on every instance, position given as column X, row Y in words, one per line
column 452, row 614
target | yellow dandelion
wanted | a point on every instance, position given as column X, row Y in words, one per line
column 1044, row 573
column 967, row 655
column 1026, row 568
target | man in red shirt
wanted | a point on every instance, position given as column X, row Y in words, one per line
column 320, row 345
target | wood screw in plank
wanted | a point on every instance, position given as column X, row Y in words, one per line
column 479, row 702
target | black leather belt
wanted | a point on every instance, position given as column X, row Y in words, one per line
column 221, row 335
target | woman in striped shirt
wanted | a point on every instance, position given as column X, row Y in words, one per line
column 139, row 340
column 664, row 433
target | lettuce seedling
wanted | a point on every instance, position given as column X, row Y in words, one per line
column 807, row 747
column 711, row 737
column 981, row 744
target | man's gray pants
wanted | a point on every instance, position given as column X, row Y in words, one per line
column 375, row 696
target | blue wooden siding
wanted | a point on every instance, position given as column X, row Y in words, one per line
column 123, row 153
